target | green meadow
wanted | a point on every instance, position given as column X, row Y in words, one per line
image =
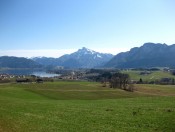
column 155, row 75
column 85, row 107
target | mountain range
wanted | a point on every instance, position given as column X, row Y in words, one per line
column 17, row 62
column 83, row 58
column 146, row 56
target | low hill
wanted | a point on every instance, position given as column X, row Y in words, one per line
column 17, row 62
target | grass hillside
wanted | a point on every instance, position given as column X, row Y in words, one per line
column 85, row 106
column 153, row 76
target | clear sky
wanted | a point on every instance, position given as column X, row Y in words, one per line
column 55, row 27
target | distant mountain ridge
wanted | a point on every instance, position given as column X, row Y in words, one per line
column 148, row 55
column 17, row 62
column 83, row 58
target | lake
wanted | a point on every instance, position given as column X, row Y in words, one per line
column 40, row 73
column 44, row 74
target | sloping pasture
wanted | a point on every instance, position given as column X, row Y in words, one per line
column 85, row 106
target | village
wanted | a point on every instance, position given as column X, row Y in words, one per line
column 141, row 76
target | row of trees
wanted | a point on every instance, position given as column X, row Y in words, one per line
column 163, row 81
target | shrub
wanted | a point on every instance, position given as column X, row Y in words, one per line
column 130, row 88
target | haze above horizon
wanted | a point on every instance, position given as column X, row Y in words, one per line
column 56, row 27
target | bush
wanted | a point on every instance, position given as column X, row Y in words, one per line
column 130, row 88
column 173, row 72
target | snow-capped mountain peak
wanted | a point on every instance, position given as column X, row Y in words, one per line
column 83, row 58
column 85, row 50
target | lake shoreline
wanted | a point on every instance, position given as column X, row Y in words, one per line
column 40, row 72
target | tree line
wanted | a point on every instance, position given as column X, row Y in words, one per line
column 114, row 80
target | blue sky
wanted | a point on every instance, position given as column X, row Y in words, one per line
column 55, row 27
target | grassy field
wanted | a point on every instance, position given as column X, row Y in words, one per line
column 155, row 75
column 85, row 107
